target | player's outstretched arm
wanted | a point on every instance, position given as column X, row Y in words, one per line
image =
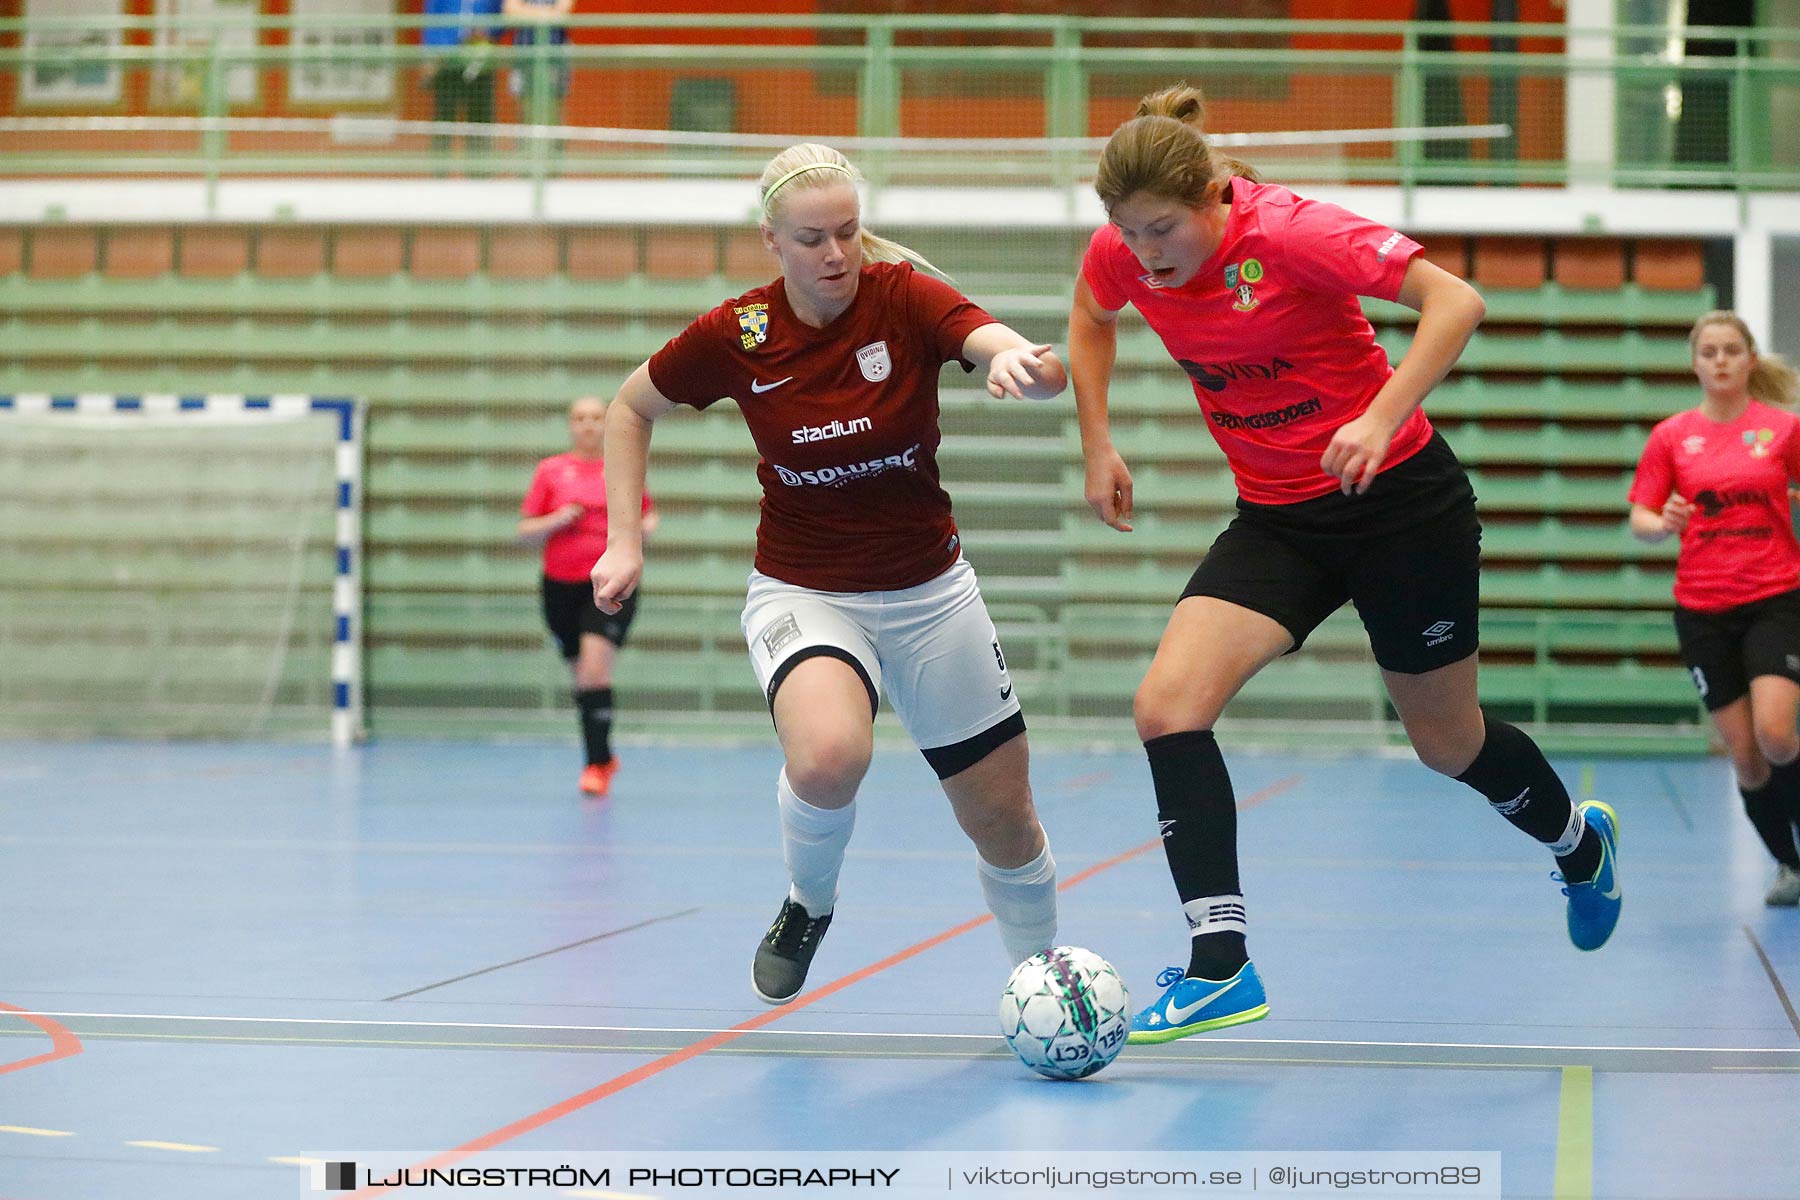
column 1093, row 345
column 1016, row 367
column 627, row 456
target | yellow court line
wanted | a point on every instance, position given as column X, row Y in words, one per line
column 26, row 1129
column 1575, row 1136
column 290, row 1161
column 182, row 1147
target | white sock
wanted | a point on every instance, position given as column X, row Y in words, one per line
column 1023, row 901
column 813, row 841
column 1571, row 834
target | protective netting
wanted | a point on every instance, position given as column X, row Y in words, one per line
column 166, row 576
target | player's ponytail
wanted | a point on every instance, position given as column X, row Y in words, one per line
column 1163, row 151
column 811, row 165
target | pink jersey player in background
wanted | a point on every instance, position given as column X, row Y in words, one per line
column 1718, row 475
column 1345, row 493
column 860, row 583
column 565, row 510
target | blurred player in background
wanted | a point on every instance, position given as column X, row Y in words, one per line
column 1718, row 475
column 565, row 510
column 859, row 581
column 1345, row 493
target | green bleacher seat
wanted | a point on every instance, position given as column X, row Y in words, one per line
column 1552, row 491
column 1548, row 444
column 1551, row 304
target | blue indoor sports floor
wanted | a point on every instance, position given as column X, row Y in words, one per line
column 215, row 958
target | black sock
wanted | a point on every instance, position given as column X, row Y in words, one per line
column 1786, row 781
column 1520, row 785
column 1198, row 814
column 596, row 705
column 1769, row 816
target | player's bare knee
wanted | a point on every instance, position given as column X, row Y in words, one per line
column 1777, row 742
column 1005, row 829
column 826, row 768
column 1160, row 709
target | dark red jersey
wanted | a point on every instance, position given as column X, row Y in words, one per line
column 845, row 419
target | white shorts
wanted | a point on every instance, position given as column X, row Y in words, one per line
column 934, row 645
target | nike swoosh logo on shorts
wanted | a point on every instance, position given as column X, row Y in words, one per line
column 1176, row 1014
column 759, row 387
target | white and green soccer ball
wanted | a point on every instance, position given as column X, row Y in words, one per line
column 1065, row 1012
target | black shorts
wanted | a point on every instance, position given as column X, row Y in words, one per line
column 1407, row 553
column 569, row 611
column 1725, row 650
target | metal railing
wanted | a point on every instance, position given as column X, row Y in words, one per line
column 195, row 96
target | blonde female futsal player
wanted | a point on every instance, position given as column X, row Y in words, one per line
column 1345, row 493
column 859, row 581
column 1718, row 475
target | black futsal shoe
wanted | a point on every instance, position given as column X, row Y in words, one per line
column 786, row 952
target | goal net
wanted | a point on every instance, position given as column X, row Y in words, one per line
column 180, row 566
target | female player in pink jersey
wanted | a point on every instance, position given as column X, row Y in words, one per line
column 1345, row 493
column 565, row 509
column 859, row 580
column 1718, row 475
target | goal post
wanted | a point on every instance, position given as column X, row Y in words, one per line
column 181, row 565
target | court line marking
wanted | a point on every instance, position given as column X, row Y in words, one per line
column 178, row 1147
column 30, row 1131
column 619, row 1083
column 1574, row 1176
column 63, row 1044
column 1370, row 1044
column 1674, row 795
column 1774, row 981
column 598, row 937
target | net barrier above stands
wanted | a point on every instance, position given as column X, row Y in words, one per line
column 180, row 566
column 365, row 144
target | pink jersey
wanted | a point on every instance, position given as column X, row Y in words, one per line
column 1270, row 332
column 845, row 419
column 1739, row 545
column 571, row 552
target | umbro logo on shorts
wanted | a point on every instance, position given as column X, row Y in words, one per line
column 1439, row 632
column 781, row 631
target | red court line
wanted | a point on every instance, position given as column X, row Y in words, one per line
column 63, row 1044
column 563, row 1108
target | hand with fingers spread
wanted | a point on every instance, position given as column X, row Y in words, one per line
column 1026, row 373
column 616, row 576
column 1108, row 489
column 1356, row 453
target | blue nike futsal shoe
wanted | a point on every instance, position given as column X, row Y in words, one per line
column 1197, row 1005
column 1594, row 905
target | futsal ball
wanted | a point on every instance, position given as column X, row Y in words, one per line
column 1065, row 1012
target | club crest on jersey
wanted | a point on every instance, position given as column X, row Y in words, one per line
column 874, row 361
column 1758, row 441
column 1693, row 444
column 1239, row 277
column 753, row 325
